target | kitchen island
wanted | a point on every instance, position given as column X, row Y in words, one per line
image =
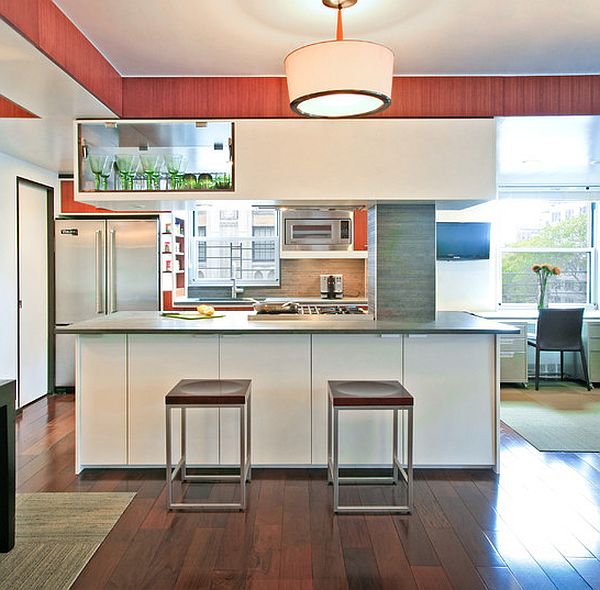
column 128, row 361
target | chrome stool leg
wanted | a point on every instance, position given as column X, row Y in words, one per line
column 168, row 461
column 183, row 444
column 397, row 466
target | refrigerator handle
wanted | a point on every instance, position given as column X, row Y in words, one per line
column 99, row 274
column 112, row 274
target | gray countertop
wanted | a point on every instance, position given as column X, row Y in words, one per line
column 527, row 314
column 236, row 322
column 248, row 303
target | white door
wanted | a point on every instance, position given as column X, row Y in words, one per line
column 33, row 292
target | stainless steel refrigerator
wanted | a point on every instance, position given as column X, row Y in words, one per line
column 102, row 266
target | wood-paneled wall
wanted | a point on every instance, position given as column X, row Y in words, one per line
column 420, row 97
column 11, row 110
column 47, row 27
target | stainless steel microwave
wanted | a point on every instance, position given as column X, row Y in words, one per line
column 316, row 229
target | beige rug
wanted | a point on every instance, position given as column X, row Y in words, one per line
column 56, row 535
column 558, row 417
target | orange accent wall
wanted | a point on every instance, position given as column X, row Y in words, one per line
column 11, row 110
column 361, row 239
column 68, row 204
column 47, row 27
column 443, row 96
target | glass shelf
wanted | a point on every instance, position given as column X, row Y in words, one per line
column 155, row 156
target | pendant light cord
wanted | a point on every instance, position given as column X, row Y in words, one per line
column 339, row 33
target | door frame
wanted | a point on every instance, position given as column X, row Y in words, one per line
column 50, row 282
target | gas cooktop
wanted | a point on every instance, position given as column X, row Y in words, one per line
column 316, row 312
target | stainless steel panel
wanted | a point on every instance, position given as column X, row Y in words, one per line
column 79, row 259
column 132, row 263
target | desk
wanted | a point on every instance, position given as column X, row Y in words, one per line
column 7, row 465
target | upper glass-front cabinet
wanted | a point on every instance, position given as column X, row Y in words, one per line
column 139, row 156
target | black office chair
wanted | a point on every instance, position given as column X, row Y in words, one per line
column 559, row 330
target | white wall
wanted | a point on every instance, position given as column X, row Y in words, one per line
column 469, row 285
column 10, row 168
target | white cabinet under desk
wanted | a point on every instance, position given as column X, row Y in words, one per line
column 513, row 355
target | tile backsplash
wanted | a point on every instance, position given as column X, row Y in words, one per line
column 300, row 278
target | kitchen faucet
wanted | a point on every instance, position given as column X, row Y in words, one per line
column 235, row 290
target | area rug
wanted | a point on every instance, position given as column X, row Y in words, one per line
column 56, row 535
column 558, row 417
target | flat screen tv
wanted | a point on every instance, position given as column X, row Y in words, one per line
column 463, row 241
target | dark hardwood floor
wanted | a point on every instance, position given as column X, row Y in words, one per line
column 535, row 526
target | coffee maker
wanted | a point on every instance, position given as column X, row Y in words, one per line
column 332, row 286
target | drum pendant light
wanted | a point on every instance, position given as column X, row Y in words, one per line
column 339, row 78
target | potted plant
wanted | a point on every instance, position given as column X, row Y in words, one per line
column 543, row 271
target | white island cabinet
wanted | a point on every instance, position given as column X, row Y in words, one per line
column 454, row 383
column 102, row 399
column 450, row 366
column 156, row 364
column 279, row 366
column 365, row 436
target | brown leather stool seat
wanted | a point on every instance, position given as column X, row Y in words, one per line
column 209, row 393
column 371, row 395
column 222, row 392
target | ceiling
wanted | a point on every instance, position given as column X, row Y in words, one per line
column 428, row 37
column 49, row 93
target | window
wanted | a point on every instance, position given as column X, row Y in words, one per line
column 240, row 242
column 537, row 231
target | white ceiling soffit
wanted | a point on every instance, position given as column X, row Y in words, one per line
column 548, row 154
column 33, row 81
column 428, row 37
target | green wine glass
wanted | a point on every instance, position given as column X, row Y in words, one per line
column 126, row 165
column 150, row 167
column 106, row 172
column 97, row 164
column 173, row 164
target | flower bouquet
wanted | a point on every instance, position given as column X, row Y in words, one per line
column 543, row 271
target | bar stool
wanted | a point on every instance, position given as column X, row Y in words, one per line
column 209, row 393
column 370, row 395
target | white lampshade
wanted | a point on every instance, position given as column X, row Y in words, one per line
column 339, row 78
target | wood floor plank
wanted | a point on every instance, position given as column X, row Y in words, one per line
column 589, row 570
column 430, row 577
column 394, row 569
column 458, row 567
column 498, row 578
column 361, row 569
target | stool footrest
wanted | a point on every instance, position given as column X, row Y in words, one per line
column 206, row 506
column 372, row 509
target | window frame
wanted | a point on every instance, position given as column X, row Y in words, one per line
column 591, row 250
column 274, row 264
